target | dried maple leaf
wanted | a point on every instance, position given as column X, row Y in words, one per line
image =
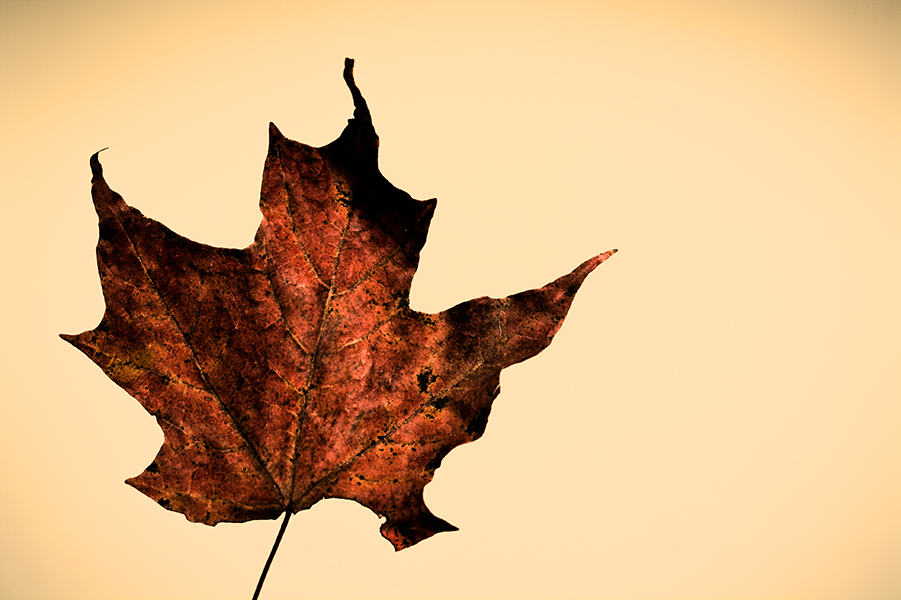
column 295, row 370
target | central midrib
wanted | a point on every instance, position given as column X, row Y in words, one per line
column 315, row 355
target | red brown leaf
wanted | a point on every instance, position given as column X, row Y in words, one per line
column 295, row 370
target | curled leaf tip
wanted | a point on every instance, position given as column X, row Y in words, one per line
column 349, row 77
column 96, row 168
column 361, row 110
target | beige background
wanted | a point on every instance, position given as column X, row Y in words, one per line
column 720, row 417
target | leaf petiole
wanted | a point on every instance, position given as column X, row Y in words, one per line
column 278, row 539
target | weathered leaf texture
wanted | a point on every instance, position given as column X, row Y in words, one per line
column 295, row 370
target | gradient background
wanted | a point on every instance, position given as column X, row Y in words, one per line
column 720, row 417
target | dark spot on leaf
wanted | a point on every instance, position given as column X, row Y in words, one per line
column 441, row 401
column 425, row 379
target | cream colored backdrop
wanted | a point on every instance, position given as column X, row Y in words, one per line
column 720, row 417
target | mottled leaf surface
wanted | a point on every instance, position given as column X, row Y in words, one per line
column 295, row 370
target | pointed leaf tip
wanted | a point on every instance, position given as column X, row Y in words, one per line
column 594, row 262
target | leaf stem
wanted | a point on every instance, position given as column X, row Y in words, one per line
column 278, row 539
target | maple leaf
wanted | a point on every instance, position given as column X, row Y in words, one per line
column 295, row 369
